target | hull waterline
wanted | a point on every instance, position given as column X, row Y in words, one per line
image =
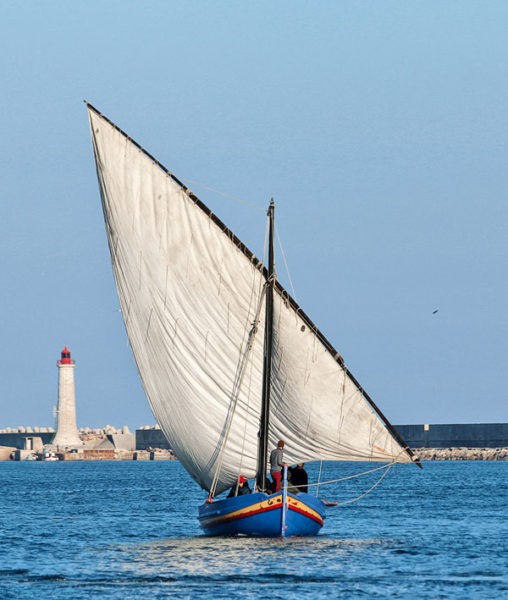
column 262, row 515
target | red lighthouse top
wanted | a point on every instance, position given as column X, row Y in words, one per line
column 66, row 357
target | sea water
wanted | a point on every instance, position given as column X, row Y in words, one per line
column 130, row 530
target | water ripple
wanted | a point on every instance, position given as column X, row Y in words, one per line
column 129, row 530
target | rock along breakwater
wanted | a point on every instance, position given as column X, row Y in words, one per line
column 461, row 453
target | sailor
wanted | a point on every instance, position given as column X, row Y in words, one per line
column 299, row 477
column 290, row 486
column 240, row 489
column 277, row 463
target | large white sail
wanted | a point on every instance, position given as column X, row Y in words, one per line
column 192, row 300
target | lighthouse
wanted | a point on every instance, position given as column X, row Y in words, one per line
column 67, row 435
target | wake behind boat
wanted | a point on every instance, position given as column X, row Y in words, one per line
column 229, row 362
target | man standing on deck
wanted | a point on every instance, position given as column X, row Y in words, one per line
column 277, row 463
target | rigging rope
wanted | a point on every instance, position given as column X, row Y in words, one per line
column 319, row 478
column 387, row 466
column 236, row 393
column 390, row 466
column 245, row 424
column 242, row 367
column 285, row 263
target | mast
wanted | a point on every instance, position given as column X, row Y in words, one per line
column 267, row 359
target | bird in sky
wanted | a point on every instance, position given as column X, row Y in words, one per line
column 435, row 311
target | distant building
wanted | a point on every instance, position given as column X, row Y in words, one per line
column 467, row 435
column 151, row 437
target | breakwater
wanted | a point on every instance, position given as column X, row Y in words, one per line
column 461, row 453
column 116, row 455
column 477, row 441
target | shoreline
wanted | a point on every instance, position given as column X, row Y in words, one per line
column 424, row 454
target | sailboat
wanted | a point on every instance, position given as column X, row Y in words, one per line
column 229, row 362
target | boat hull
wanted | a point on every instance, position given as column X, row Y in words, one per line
column 261, row 515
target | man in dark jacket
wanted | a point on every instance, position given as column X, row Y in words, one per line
column 299, row 477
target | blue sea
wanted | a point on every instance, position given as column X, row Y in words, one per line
column 129, row 530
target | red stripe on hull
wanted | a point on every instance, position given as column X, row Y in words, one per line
column 242, row 515
column 307, row 514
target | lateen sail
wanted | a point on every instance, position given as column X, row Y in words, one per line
column 191, row 297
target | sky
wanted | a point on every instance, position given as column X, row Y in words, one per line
column 379, row 128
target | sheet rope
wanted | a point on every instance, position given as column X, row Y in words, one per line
column 319, row 483
column 387, row 468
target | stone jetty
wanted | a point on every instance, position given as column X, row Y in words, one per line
column 461, row 453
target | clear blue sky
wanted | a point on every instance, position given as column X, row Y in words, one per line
column 380, row 128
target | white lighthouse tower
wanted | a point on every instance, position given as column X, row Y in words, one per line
column 66, row 430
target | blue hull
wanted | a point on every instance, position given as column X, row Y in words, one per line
column 261, row 515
